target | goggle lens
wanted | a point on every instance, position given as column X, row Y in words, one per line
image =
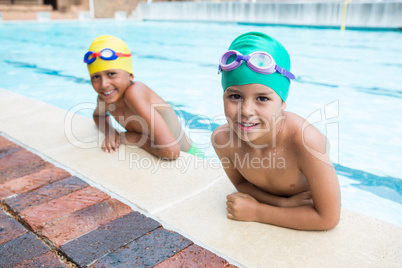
column 231, row 59
column 107, row 53
column 260, row 60
column 90, row 57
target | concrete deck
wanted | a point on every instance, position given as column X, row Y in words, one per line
column 188, row 196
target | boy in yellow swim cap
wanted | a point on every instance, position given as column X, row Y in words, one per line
column 150, row 122
column 278, row 162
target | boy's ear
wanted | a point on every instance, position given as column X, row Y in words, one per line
column 131, row 77
column 283, row 106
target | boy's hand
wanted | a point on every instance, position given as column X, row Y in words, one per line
column 298, row 200
column 241, row 207
column 111, row 143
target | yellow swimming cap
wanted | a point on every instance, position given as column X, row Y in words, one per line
column 116, row 44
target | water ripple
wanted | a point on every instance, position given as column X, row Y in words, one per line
column 384, row 186
column 369, row 90
column 46, row 71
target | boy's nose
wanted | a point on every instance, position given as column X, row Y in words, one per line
column 247, row 108
column 105, row 82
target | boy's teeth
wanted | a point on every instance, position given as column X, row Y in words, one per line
column 247, row 125
column 107, row 93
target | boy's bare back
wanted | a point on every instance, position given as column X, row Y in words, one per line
column 141, row 109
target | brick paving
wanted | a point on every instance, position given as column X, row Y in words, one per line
column 49, row 218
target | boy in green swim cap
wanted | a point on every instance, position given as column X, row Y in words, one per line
column 149, row 121
column 278, row 162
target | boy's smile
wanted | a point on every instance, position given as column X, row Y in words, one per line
column 111, row 84
column 253, row 110
column 109, row 93
column 244, row 126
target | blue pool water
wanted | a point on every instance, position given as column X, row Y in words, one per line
column 348, row 83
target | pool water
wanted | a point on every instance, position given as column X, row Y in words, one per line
column 349, row 84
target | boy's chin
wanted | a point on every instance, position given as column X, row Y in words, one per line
column 250, row 137
column 246, row 136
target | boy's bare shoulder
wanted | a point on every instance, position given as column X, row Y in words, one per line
column 304, row 136
column 137, row 93
column 220, row 139
column 136, row 88
column 221, row 135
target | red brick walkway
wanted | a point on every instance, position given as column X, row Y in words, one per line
column 49, row 218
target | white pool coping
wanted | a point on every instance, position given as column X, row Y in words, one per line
column 188, row 195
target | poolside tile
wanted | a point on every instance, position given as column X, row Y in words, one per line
column 194, row 257
column 8, row 147
column 19, row 164
column 9, row 228
column 84, row 221
column 32, row 181
column 146, row 251
column 6, row 143
column 43, row 214
column 23, row 169
column 17, row 158
column 46, row 193
column 92, row 246
column 49, row 259
column 22, row 248
column 8, row 151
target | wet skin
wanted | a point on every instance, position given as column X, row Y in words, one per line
column 264, row 151
column 150, row 122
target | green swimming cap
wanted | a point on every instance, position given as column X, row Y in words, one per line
column 251, row 42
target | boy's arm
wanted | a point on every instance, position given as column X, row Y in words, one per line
column 156, row 138
column 103, row 122
column 324, row 186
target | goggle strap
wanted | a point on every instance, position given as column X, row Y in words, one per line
column 242, row 57
column 284, row 72
column 123, row 55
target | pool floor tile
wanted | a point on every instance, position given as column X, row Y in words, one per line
column 46, row 193
column 41, row 215
column 95, row 244
column 195, row 257
column 9, row 228
column 147, row 251
column 84, row 221
column 20, row 249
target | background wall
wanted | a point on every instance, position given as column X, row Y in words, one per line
column 107, row 8
column 359, row 14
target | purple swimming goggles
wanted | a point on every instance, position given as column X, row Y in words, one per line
column 259, row 61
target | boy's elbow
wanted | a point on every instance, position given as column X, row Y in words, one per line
column 171, row 153
column 330, row 222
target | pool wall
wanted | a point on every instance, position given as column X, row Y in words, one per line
column 379, row 15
